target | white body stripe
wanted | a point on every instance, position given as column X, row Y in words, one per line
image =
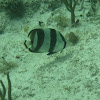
column 35, row 41
column 59, row 43
column 46, row 43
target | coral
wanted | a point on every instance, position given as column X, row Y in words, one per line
column 72, row 37
column 5, row 66
column 15, row 9
column 3, row 22
column 93, row 10
column 70, row 5
column 54, row 4
column 3, row 92
column 61, row 21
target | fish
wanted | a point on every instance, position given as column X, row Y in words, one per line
column 42, row 40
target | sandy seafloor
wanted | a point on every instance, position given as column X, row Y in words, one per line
column 73, row 74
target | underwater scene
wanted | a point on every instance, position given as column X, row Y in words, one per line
column 49, row 49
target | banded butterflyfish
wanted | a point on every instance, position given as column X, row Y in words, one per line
column 45, row 40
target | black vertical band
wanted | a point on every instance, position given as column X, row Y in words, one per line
column 53, row 40
column 40, row 39
column 32, row 35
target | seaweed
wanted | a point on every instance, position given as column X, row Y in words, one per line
column 3, row 92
